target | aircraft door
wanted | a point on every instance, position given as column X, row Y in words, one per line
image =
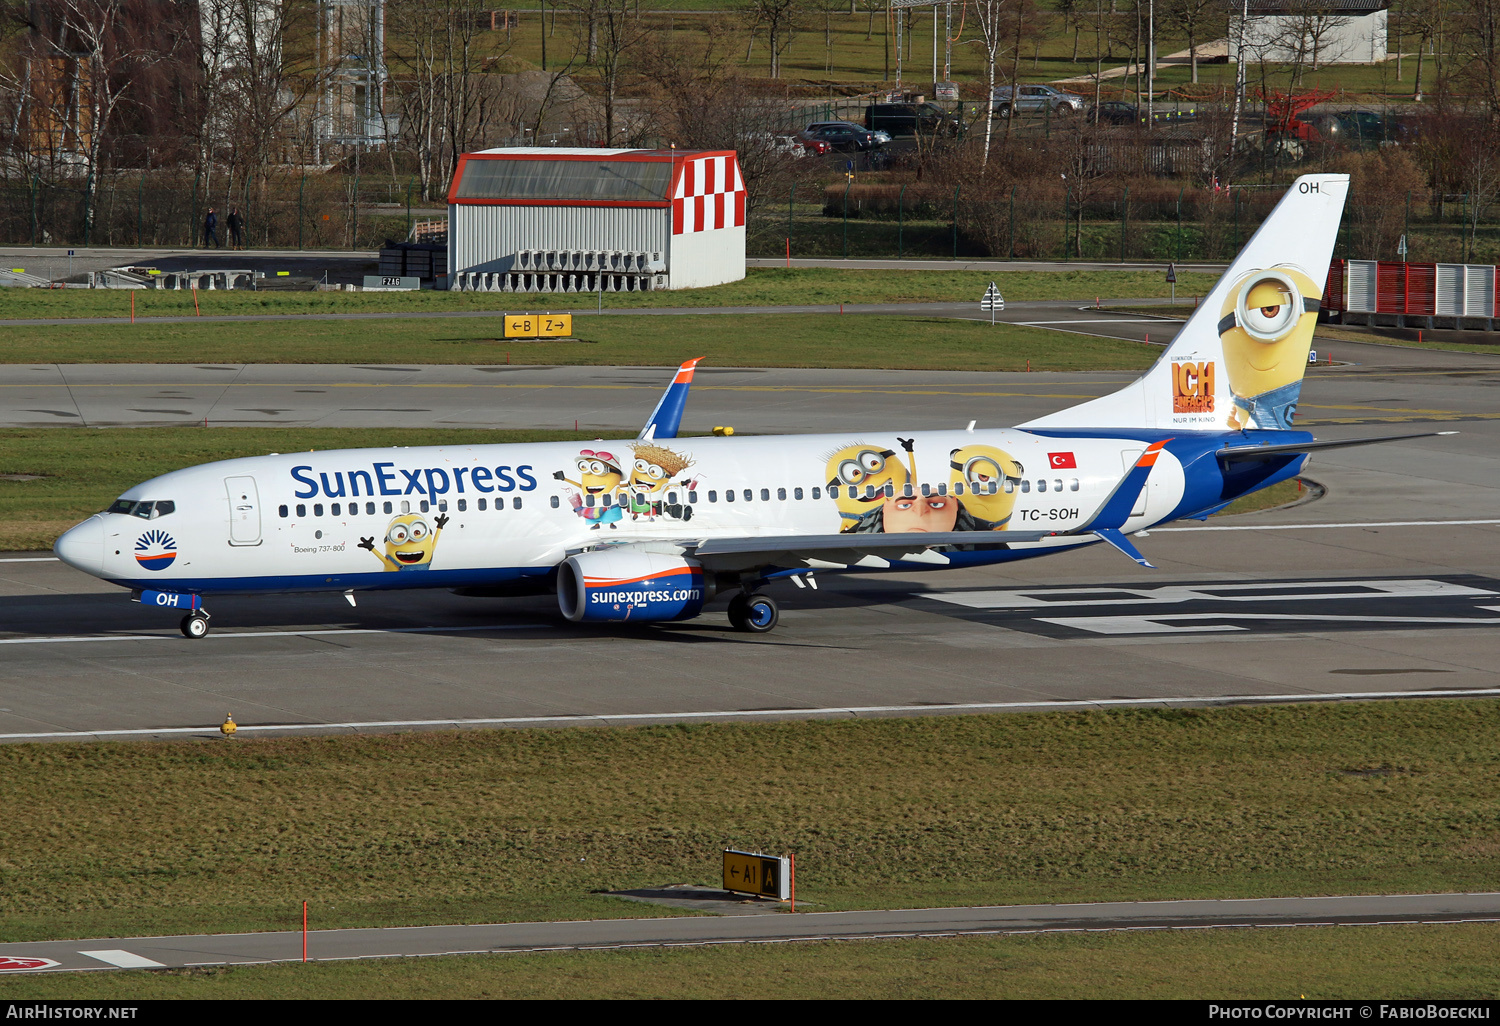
column 1127, row 460
column 244, row 511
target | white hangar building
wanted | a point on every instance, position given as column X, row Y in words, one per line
column 547, row 219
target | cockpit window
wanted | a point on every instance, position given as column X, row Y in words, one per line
column 148, row 510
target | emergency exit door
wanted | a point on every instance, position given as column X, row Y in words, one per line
column 244, row 511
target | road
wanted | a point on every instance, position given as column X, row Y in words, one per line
column 604, row 934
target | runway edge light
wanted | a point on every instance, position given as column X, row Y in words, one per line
column 765, row 876
column 228, row 727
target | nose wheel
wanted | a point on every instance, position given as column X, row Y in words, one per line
column 754, row 614
column 195, row 624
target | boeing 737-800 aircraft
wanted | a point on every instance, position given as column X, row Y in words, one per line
column 652, row 528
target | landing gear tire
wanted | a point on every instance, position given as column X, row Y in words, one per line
column 194, row 626
column 754, row 614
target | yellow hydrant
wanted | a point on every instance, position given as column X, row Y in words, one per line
column 228, row 727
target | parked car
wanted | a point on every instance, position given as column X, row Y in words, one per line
column 910, row 119
column 1034, row 99
column 1117, row 112
column 844, row 136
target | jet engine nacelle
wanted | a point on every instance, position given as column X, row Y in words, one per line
column 613, row 585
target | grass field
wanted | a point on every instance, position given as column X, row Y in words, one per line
column 761, row 286
column 723, row 340
column 1393, row 962
column 111, row 839
column 1439, row 339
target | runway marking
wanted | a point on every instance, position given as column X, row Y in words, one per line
column 1156, row 623
column 1323, row 527
column 278, row 634
column 32, row 559
column 1259, row 592
column 124, row 959
column 674, row 717
column 1103, row 320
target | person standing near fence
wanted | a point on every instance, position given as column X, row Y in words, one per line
column 210, row 229
column 236, row 228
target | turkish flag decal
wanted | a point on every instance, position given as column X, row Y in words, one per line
column 1061, row 461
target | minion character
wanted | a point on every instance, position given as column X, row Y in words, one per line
column 599, row 475
column 1266, row 327
column 857, row 477
column 650, row 474
column 409, row 542
column 983, row 470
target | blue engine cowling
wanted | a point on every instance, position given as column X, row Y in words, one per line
column 614, row 585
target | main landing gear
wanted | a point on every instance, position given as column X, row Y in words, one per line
column 754, row 613
column 195, row 624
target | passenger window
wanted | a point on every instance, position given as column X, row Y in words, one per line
column 889, row 489
column 442, row 505
column 317, row 509
column 907, row 491
column 713, row 496
column 958, row 487
column 301, row 511
column 1057, row 484
column 588, row 500
column 749, row 495
column 797, row 494
column 781, row 494
column 335, row 509
column 283, row 511
column 405, row 506
column 424, row 505
column 483, row 504
column 370, row 509
column 388, row 506
column 817, row 496
column 693, row 495
column 1041, row 485
column 672, row 498
column 1025, row 487
column 1010, row 485
column 606, row 499
column 462, row 505
column 555, row 503
column 765, row 495
column 1073, row 485
column 927, row 489
column 516, row 502
column 729, row 495
column 942, row 488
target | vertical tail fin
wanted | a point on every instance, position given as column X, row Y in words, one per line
column 1238, row 361
column 667, row 417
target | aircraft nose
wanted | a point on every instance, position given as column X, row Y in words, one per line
column 82, row 547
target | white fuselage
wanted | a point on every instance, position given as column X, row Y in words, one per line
column 360, row 519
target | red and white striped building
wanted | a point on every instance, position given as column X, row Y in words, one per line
column 547, row 219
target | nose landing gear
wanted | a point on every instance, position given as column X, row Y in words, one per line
column 195, row 624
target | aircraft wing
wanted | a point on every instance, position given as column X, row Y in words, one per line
column 1240, row 453
column 831, row 551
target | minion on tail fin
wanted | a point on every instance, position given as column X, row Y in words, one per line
column 1238, row 361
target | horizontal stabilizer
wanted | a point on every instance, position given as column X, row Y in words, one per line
column 1241, row 453
column 667, row 417
column 1122, row 543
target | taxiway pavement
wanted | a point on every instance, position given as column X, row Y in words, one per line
column 693, row 931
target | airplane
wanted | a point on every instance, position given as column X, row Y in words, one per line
column 651, row 529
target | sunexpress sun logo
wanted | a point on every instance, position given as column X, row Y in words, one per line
column 155, row 550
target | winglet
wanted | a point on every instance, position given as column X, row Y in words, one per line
column 1119, row 541
column 1116, row 509
column 667, row 416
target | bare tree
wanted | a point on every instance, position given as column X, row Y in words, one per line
column 1482, row 18
column 780, row 19
column 79, row 60
column 608, row 34
column 994, row 17
column 1190, row 15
